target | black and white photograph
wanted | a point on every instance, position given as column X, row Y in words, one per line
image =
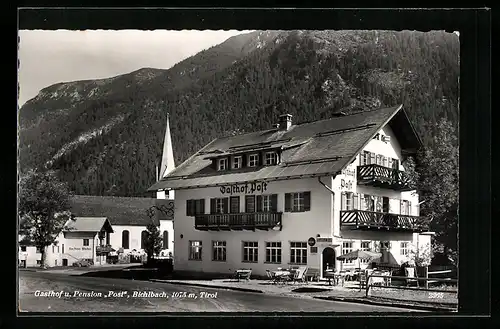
column 238, row 170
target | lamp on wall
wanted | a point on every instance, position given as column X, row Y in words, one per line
column 182, row 236
column 318, row 235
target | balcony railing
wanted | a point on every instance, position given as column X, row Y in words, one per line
column 103, row 250
column 380, row 176
column 240, row 221
column 363, row 219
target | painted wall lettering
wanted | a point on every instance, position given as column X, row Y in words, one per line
column 346, row 184
column 80, row 249
column 349, row 172
column 248, row 188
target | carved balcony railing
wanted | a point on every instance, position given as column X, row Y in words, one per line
column 380, row 176
column 363, row 219
column 240, row 221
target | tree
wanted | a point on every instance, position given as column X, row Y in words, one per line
column 153, row 243
column 44, row 204
column 437, row 167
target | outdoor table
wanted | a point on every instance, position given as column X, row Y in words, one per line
column 239, row 273
column 280, row 274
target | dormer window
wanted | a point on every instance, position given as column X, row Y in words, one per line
column 253, row 160
column 237, row 161
column 221, row 164
column 271, row 158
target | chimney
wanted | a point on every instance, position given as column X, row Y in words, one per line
column 285, row 121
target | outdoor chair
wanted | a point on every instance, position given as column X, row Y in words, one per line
column 270, row 276
column 299, row 275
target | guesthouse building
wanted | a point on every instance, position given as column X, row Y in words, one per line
column 299, row 194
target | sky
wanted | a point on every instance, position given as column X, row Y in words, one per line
column 49, row 57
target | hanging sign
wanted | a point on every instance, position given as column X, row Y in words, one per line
column 311, row 242
column 327, row 240
column 247, row 188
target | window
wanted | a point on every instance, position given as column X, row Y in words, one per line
column 297, row 202
column 23, row 248
column 365, row 246
column 347, row 199
column 251, row 252
column 346, row 248
column 237, row 162
column 85, row 242
column 219, row 205
column 38, row 262
column 55, row 262
column 364, row 158
column 195, row 207
column 253, row 160
column 250, row 203
column 298, row 252
column 404, row 248
column 195, row 248
column 367, row 202
column 234, row 204
column 273, row 252
column 219, row 251
column 385, row 245
column 379, row 159
column 372, row 158
column 314, row 250
column 267, row 203
column 144, row 237
column 271, row 158
column 165, row 239
column 384, row 161
column 405, row 207
column 63, row 248
column 395, row 163
column 221, row 164
column 53, row 249
column 125, row 240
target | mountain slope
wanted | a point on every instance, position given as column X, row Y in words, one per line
column 106, row 140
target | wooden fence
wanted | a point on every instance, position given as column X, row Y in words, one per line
column 368, row 284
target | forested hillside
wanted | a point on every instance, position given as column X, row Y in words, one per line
column 104, row 136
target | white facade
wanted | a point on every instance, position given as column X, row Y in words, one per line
column 322, row 221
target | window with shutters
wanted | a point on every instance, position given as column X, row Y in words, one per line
column 219, row 251
column 222, row 164
column 347, row 201
column 250, row 203
column 273, row 252
column 384, row 161
column 405, row 207
column 267, row 203
column 237, row 161
column 85, row 242
column 253, row 160
column 364, row 158
column 219, row 205
column 298, row 202
column 346, row 248
column 250, row 251
column 395, row 163
column 378, row 159
column 234, row 204
column 195, row 249
column 271, row 158
column 144, row 237
column 298, row 253
column 372, row 158
column 195, row 207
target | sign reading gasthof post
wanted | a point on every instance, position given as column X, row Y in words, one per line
column 246, row 188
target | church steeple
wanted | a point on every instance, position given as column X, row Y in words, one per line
column 167, row 159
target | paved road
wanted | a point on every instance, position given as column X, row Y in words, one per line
column 32, row 286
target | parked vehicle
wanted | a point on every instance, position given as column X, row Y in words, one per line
column 82, row 263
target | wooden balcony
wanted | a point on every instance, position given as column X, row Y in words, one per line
column 371, row 220
column 380, row 176
column 237, row 222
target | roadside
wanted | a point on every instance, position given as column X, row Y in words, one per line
column 321, row 290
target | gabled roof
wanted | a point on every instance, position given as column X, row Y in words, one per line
column 88, row 224
column 310, row 149
column 120, row 210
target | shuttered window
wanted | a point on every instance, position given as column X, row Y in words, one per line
column 298, row 202
column 235, row 204
column 195, row 207
column 250, row 203
column 219, row 205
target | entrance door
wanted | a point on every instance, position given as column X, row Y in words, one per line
column 385, row 204
column 65, row 262
column 328, row 259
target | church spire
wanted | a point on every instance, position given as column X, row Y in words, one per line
column 167, row 159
